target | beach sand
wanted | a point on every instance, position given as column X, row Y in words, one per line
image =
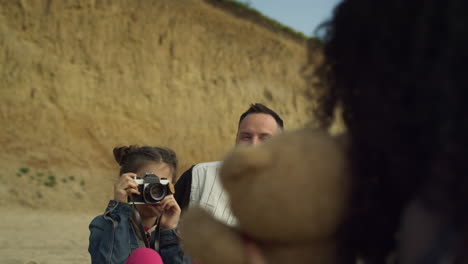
column 43, row 237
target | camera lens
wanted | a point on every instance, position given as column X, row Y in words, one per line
column 157, row 192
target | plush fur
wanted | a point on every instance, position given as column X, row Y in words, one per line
column 289, row 197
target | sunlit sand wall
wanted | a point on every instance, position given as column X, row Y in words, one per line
column 80, row 77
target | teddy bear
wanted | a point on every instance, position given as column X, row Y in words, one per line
column 289, row 196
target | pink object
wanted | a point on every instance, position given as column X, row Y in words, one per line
column 144, row 256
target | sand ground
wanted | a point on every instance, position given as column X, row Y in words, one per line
column 43, row 237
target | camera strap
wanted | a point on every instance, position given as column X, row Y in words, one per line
column 155, row 238
column 153, row 235
column 136, row 221
column 157, row 234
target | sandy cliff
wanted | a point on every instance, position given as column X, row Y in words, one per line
column 80, row 77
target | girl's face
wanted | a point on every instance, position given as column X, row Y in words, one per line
column 162, row 170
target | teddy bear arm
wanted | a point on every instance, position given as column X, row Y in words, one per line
column 209, row 241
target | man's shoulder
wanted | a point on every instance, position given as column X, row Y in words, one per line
column 208, row 165
column 205, row 170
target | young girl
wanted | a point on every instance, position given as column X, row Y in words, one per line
column 113, row 235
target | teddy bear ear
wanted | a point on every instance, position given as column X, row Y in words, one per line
column 245, row 161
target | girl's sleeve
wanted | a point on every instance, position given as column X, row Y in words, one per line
column 109, row 240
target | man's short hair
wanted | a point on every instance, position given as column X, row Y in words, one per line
column 262, row 109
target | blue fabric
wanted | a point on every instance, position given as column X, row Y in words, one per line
column 113, row 238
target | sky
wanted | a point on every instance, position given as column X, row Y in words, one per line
column 301, row 15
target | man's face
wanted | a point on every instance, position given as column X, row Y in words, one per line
column 255, row 129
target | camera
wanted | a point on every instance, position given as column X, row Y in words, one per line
column 152, row 189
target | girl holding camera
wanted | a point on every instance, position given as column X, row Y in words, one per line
column 117, row 235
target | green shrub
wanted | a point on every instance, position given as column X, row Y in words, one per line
column 51, row 181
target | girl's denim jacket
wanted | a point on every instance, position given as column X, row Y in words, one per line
column 113, row 238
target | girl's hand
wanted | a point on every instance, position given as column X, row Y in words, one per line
column 125, row 186
column 171, row 215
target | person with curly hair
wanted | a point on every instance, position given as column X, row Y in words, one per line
column 396, row 71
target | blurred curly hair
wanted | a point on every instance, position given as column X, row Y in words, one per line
column 396, row 69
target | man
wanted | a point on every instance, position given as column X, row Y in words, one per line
column 200, row 184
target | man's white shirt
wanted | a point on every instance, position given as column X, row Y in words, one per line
column 207, row 192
